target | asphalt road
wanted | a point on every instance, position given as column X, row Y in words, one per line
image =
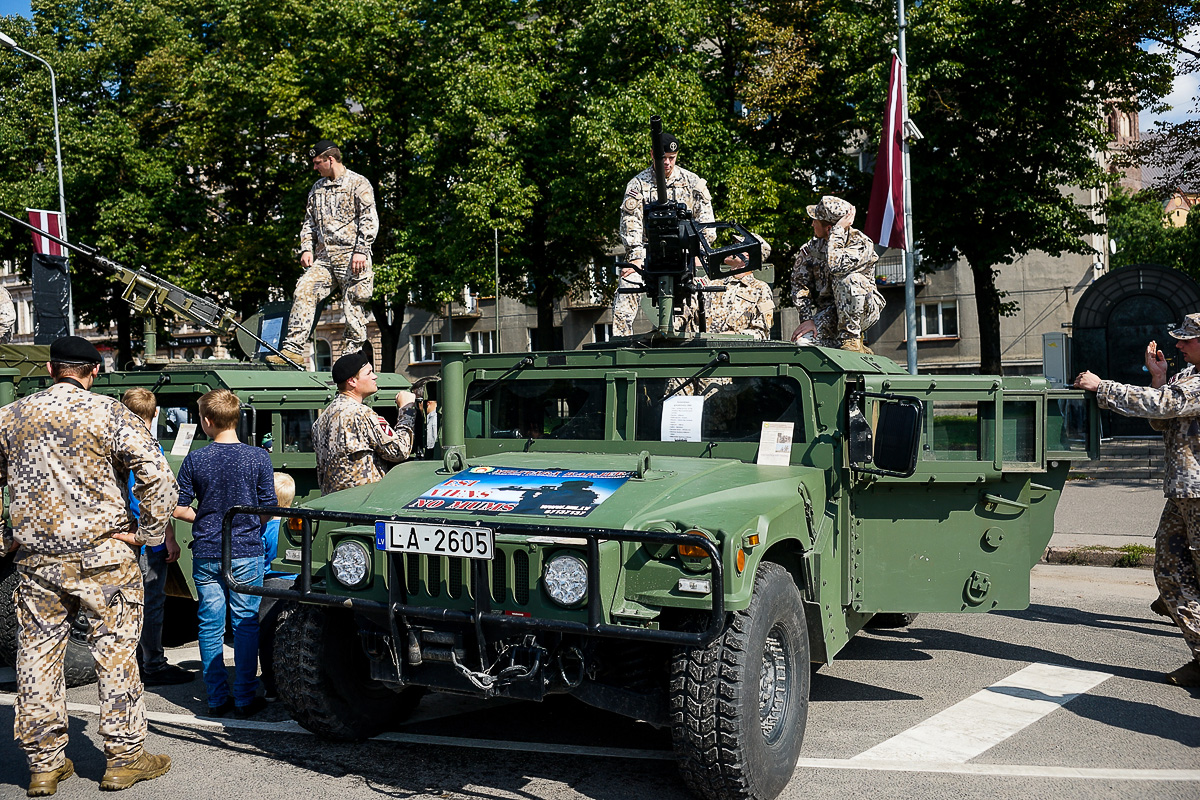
column 1128, row 735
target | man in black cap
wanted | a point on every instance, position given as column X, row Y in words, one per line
column 340, row 225
column 682, row 187
column 64, row 455
column 353, row 443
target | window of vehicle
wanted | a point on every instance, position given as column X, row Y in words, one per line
column 957, row 430
column 1020, row 431
column 297, row 430
column 734, row 408
column 554, row 408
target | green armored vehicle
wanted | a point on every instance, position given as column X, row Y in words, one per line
column 669, row 527
column 278, row 409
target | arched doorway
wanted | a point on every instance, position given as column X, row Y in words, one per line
column 1117, row 316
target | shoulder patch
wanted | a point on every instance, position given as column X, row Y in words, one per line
column 630, row 204
column 385, row 427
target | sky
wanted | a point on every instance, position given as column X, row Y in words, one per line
column 1181, row 100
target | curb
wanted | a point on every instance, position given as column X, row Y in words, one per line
column 1131, row 555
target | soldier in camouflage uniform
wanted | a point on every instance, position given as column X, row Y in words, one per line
column 833, row 280
column 682, row 187
column 1172, row 407
column 64, row 455
column 8, row 316
column 746, row 306
column 340, row 224
column 353, row 443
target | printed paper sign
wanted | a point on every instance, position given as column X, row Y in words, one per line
column 681, row 418
column 775, row 443
column 183, row 439
column 508, row 490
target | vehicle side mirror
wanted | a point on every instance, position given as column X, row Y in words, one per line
column 892, row 447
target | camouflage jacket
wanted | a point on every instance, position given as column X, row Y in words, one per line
column 1175, row 410
column 65, row 455
column 354, row 444
column 682, row 187
column 821, row 262
column 746, row 306
column 8, row 316
column 340, row 217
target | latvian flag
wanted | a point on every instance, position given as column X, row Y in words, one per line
column 885, row 214
column 51, row 223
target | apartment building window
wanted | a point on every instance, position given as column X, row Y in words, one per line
column 482, row 341
column 556, row 338
column 602, row 332
column 422, row 349
column 937, row 320
column 322, row 355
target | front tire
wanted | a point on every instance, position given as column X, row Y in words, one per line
column 323, row 676
column 739, row 706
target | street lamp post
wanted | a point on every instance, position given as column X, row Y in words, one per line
column 8, row 42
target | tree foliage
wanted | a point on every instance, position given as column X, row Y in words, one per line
column 186, row 125
column 1138, row 227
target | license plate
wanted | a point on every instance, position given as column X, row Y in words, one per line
column 434, row 540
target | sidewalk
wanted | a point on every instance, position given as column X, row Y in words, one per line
column 1105, row 521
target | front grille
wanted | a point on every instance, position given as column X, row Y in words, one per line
column 500, row 578
column 434, row 586
column 521, row 577
column 455, row 578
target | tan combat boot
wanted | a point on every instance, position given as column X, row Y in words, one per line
column 1187, row 675
column 44, row 784
column 294, row 355
column 145, row 768
column 855, row 346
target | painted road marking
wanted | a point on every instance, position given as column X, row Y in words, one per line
column 1018, row 770
column 975, row 725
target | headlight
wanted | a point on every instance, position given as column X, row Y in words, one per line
column 565, row 579
column 351, row 563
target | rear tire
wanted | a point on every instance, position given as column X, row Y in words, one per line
column 739, row 706
column 323, row 676
column 78, row 664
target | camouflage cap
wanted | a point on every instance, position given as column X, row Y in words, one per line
column 1190, row 329
column 830, row 209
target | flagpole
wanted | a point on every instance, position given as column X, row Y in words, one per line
column 910, row 287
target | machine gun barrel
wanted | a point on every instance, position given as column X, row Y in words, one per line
column 143, row 289
column 656, row 148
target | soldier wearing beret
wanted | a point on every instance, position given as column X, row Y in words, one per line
column 682, row 187
column 340, row 225
column 833, row 280
column 353, row 443
column 64, row 455
column 1173, row 407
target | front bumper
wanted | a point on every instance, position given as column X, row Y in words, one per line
column 481, row 612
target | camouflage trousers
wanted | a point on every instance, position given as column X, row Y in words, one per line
column 856, row 306
column 327, row 273
column 1177, row 566
column 106, row 585
column 625, row 306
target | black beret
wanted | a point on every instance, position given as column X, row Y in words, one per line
column 320, row 147
column 74, row 350
column 670, row 143
column 348, row 366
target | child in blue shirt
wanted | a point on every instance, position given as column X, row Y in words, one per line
column 221, row 475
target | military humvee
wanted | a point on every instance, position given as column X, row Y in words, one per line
column 587, row 532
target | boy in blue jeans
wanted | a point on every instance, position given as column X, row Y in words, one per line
column 221, row 475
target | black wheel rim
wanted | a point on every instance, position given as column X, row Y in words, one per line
column 775, row 683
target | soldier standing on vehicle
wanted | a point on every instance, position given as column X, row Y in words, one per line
column 353, row 443
column 1172, row 407
column 340, row 225
column 8, row 316
column 64, row 453
column 833, row 280
column 682, row 187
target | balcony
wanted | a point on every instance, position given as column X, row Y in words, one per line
column 889, row 270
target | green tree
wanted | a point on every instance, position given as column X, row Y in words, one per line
column 1137, row 225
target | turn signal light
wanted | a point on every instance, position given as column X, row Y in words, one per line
column 741, row 561
column 295, row 523
column 692, row 551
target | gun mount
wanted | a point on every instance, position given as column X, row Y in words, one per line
column 677, row 244
column 145, row 291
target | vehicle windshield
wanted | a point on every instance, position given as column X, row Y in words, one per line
column 712, row 409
